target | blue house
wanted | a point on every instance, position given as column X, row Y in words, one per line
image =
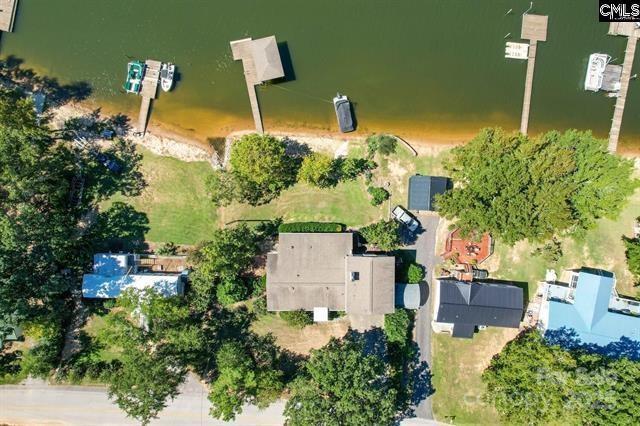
column 588, row 313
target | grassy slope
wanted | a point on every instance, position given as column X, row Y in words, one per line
column 175, row 200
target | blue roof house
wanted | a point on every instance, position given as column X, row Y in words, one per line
column 588, row 313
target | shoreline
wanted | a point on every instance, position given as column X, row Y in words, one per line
column 162, row 139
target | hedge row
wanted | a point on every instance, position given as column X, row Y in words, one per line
column 311, row 227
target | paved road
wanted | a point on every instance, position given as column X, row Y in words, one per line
column 425, row 247
column 41, row 404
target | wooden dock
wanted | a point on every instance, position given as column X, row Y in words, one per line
column 632, row 33
column 149, row 92
column 7, row 14
column 261, row 62
column 534, row 29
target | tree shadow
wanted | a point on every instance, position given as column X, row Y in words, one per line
column 295, row 149
column 120, row 229
column 569, row 338
column 58, row 94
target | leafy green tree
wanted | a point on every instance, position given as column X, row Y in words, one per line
column 378, row 195
column 167, row 249
column 396, row 327
column 338, row 381
column 384, row 234
column 144, row 382
column 261, row 167
column 222, row 188
column 229, row 252
column 517, row 187
column 297, row 319
column 243, row 378
column 550, row 252
column 383, row 144
column 351, row 168
column 633, row 256
column 530, row 381
column 318, row 170
column 415, row 273
column 231, row 289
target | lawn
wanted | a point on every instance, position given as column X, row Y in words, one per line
column 175, row 200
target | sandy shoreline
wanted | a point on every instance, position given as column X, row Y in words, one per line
column 164, row 141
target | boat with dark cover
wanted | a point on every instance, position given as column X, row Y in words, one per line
column 343, row 113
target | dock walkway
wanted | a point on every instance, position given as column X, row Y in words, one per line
column 149, row 92
column 534, row 29
column 7, row 14
column 625, row 29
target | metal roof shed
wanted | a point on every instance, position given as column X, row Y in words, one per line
column 423, row 189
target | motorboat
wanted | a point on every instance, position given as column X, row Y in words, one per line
column 135, row 74
column 167, row 72
column 595, row 71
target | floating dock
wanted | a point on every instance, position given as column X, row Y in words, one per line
column 534, row 29
column 7, row 14
column 149, row 92
column 261, row 62
column 632, row 32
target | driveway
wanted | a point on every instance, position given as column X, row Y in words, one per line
column 425, row 247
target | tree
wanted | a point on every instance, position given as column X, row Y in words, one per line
column 517, row 187
column 528, row 382
column 318, row 170
column 378, row 195
column 229, row 252
column 243, row 378
column 384, row 234
column 384, row 144
column 167, row 249
column 632, row 252
column 230, row 290
column 415, row 273
column 222, row 188
column 261, row 167
column 351, row 168
column 396, row 327
column 338, row 381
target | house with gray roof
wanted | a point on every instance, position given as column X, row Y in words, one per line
column 321, row 270
column 462, row 306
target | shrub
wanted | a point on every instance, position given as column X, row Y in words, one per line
column 351, row 168
column 167, row 249
column 384, row 234
column 260, row 306
column 384, row 144
column 297, row 319
column 311, row 227
column 396, row 326
column 258, row 286
column 415, row 273
column 378, row 195
column 318, row 170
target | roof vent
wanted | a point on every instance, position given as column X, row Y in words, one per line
column 355, row 276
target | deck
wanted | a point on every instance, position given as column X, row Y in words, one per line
column 534, row 29
column 7, row 14
column 629, row 30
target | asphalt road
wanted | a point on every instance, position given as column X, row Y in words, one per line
column 425, row 247
column 42, row 404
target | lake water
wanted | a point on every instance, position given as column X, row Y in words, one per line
column 418, row 68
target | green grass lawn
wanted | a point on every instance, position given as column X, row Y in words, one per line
column 175, row 200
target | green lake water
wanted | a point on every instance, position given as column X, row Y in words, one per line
column 428, row 68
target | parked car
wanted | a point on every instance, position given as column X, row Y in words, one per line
column 403, row 216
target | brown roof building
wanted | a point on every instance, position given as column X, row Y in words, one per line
column 315, row 270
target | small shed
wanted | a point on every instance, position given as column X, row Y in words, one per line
column 423, row 189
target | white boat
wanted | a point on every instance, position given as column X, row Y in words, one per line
column 516, row 50
column 167, row 72
column 595, row 71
